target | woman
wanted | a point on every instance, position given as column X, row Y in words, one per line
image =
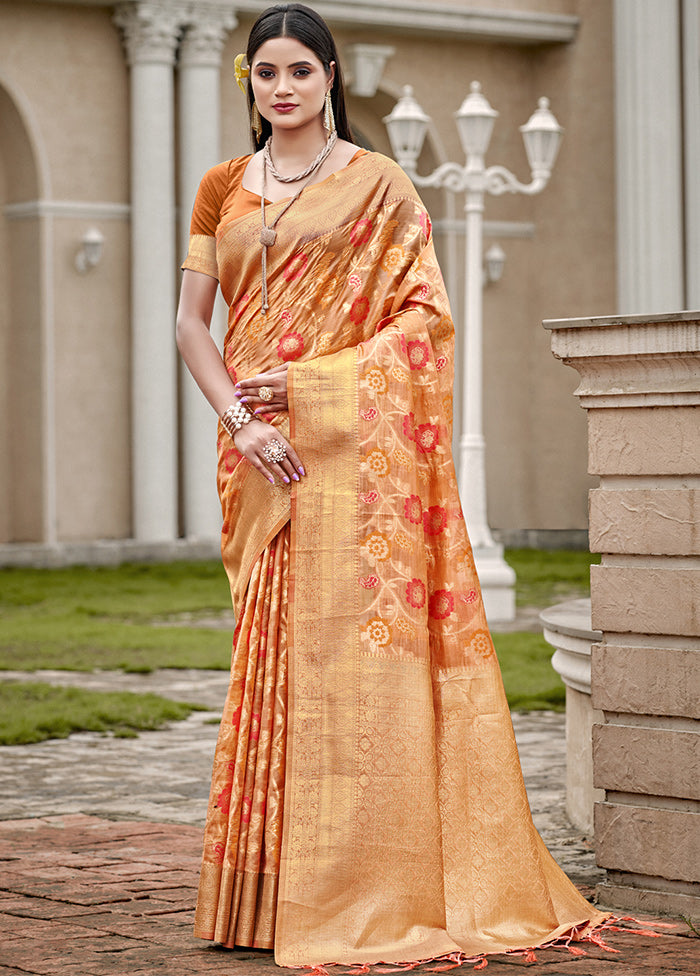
column 367, row 803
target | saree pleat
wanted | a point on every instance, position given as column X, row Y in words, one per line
column 239, row 881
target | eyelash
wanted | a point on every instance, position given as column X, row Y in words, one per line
column 266, row 73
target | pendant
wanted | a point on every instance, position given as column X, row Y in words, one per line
column 268, row 236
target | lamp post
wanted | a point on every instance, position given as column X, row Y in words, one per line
column 407, row 125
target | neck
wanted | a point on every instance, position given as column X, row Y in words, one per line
column 294, row 148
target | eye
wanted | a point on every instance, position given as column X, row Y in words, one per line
column 302, row 73
column 265, row 73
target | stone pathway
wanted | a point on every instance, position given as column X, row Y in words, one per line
column 100, row 841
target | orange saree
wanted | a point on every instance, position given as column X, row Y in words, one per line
column 367, row 802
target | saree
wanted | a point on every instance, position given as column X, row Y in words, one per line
column 367, row 802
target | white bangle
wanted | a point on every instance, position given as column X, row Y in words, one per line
column 234, row 417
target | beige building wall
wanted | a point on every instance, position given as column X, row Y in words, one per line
column 64, row 168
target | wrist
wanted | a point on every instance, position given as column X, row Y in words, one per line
column 235, row 417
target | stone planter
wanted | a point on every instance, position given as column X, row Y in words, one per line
column 567, row 627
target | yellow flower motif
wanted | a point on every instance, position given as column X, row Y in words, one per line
column 254, row 328
column 401, row 457
column 240, row 72
column 403, row 541
column 378, row 462
column 324, row 341
column 424, row 475
column 481, row 644
column 376, row 547
column 376, row 380
column 392, row 258
column 400, row 375
column 377, row 633
column 405, row 628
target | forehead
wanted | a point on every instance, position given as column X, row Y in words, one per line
column 283, row 51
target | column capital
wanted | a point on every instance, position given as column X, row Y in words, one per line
column 205, row 34
column 151, row 29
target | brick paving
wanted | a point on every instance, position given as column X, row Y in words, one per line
column 100, row 842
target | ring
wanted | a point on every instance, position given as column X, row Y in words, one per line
column 274, row 451
column 266, row 393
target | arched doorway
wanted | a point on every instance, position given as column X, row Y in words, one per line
column 21, row 366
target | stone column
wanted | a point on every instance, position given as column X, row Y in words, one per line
column 199, row 148
column 151, row 35
column 648, row 158
column 640, row 383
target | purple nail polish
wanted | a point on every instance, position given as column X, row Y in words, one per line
column 244, row 399
column 301, row 470
column 295, row 476
column 286, row 480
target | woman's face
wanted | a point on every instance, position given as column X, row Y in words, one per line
column 289, row 83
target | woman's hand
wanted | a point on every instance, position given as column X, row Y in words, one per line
column 274, row 380
column 252, row 439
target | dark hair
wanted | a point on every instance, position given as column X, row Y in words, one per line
column 304, row 25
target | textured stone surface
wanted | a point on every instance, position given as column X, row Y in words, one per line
column 143, row 879
column 646, row 680
column 648, row 760
column 647, row 841
column 646, row 599
column 644, row 441
column 651, row 520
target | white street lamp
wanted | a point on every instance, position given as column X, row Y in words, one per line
column 407, row 125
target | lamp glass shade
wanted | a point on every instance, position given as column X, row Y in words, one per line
column 542, row 136
column 407, row 124
column 475, row 120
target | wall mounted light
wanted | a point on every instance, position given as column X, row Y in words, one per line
column 90, row 251
column 494, row 261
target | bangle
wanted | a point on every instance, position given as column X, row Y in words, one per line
column 234, row 417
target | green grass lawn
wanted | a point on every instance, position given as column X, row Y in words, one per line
column 33, row 711
column 84, row 618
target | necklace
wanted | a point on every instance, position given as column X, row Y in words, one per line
column 311, row 168
column 268, row 234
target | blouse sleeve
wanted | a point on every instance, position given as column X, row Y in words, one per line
column 201, row 253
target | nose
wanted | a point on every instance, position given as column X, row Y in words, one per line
column 283, row 86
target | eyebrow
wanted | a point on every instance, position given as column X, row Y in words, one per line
column 295, row 64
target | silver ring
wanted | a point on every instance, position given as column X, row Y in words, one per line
column 266, row 393
column 274, row 452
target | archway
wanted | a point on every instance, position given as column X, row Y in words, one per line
column 21, row 367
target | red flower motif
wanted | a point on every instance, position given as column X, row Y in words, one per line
column 425, row 224
column 441, row 604
column 290, row 346
column 361, row 232
column 418, row 354
column 440, row 363
column 408, row 422
column 435, row 520
column 413, row 509
column 423, row 291
column 426, row 437
column 219, row 852
column 296, row 267
column 369, row 582
column 236, row 718
column 369, row 497
column 415, row 593
column 359, row 309
column 370, row 414
column 223, row 800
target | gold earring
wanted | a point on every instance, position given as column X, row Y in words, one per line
column 255, row 120
column 328, row 117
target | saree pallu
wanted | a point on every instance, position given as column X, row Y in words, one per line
column 367, row 801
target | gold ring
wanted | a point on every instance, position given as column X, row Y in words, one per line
column 266, row 393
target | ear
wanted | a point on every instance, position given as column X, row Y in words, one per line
column 331, row 72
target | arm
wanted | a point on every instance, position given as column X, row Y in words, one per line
column 204, row 362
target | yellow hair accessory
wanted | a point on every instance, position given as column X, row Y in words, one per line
column 240, row 72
